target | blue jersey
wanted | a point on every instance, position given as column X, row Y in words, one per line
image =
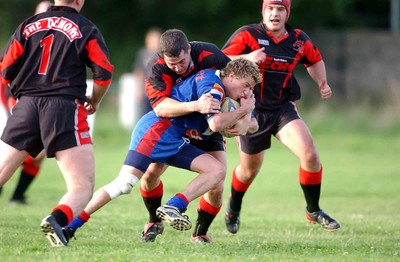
column 160, row 138
column 195, row 125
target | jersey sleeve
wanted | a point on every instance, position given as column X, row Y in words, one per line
column 12, row 58
column 208, row 82
column 158, row 81
column 311, row 54
column 241, row 42
column 98, row 59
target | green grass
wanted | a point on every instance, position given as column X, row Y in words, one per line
column 360, row 188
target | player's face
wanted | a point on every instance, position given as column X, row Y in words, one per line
column 179, row 64
column 274, row 18
column 239, row 87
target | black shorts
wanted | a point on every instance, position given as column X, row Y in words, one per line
column 53, row 123
column 270, row 122
column 214, row 143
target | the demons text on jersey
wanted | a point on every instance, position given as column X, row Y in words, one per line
column 61, row 24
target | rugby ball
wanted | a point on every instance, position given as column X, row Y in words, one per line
column 228, row 105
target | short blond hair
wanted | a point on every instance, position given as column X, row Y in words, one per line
column 242, row 68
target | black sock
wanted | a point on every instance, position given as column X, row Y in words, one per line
column 203, row 222
column 152, row 204
column 24, row 181
column 312, row 194
column 236, row 200
column 60, row 217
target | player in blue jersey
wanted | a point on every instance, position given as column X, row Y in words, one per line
column 177, row 60
column 166, row 140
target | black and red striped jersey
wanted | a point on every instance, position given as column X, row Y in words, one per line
column 160, row 79
column 279, row 84
column 3, row 95
column 49, row 53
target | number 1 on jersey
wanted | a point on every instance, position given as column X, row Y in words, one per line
column 46, row 43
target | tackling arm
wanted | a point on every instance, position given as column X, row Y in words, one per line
column 169, row 107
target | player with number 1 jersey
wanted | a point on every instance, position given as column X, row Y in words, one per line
column 53, row 40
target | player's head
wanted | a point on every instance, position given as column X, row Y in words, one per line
column 42, row 7
column 239, row 77
column 285, row 3
column 77, row 4
column 175, row 49
column 152, row 39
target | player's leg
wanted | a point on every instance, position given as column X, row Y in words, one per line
column 30, row 169
column 10, row 159
column 210, row 173
column 77, row 166
column 242, row 177
column 209, row 206
column 297, row 137
column 122, row 184
column 151, row 189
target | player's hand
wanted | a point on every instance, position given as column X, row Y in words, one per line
column 90, row 106
column 248, row 102
column 207, row 104
column 258, row 56
column 325, row 91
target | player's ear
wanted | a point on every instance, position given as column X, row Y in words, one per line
column 232, row 76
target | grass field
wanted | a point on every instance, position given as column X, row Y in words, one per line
column 360, row 189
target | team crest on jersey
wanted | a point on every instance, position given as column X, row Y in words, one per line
column 200, row 76
column 61, row 24
column 298, row 45
column 263, row 42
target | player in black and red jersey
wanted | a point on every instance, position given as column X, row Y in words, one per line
column 167, row 68
column 277, row 49
column 31, row 166
column 177, row 60
column 45, row 65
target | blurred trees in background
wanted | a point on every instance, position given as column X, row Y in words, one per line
column 124, row 22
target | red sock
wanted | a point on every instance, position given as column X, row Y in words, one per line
column 237, row 185
column 30, row 167
column 156, row 192
column 204, row 205
column 310, row 178
column 84, row 216
column 66, row 215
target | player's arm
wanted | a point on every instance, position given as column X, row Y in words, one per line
column 244, row 126
column 221, row 121
column 257, row 56
column 158, row 90
column 237, row 47
column 93, row 101
column 317, row 72
column 169, row 107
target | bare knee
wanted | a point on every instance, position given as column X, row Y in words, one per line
column 246, row 173
column 310, row 160
column 219, row 173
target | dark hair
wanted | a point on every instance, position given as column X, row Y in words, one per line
column 172, row 42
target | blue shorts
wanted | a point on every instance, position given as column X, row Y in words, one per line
column 155, row 139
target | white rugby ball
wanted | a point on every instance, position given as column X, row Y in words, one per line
column 228, row 105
